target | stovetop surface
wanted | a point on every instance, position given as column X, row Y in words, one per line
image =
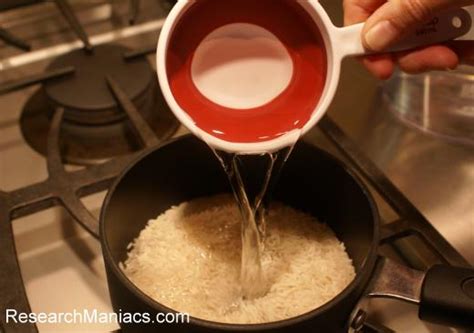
column 61, row 263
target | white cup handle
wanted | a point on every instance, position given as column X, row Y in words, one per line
column 446, row 26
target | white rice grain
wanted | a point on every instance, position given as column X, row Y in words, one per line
column 189, row 260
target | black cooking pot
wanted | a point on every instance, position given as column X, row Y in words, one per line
column 312, row 181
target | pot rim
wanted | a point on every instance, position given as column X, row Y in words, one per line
column 367, row 265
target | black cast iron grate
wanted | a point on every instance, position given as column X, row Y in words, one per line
column 60, row 188
column 63, row 188
column 69, row 15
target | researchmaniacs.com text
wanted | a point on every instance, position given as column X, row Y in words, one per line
column 94, row 316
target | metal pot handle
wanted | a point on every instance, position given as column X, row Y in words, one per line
column 445, row 294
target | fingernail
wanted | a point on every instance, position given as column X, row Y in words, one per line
column 381, row 35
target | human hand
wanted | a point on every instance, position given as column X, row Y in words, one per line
column 388, row 21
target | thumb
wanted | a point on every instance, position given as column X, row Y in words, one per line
column 395, row 18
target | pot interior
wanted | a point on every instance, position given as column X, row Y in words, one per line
column 185, row 169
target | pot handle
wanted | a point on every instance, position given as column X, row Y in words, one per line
column 445, row 294
column 444, row 27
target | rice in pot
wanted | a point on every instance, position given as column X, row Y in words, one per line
column 189, row 260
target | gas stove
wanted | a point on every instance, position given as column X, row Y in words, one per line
column 79, row 99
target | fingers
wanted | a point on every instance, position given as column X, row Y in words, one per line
column 356, row 11
column 395, row 18
column 437, row 57
column 380, row 66
column 388, row 21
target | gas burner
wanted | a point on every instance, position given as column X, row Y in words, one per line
column 85, row 96
column 95, row 126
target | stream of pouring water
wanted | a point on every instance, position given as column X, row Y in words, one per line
column 253, row 210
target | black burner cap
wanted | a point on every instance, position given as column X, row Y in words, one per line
column 87, row 90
